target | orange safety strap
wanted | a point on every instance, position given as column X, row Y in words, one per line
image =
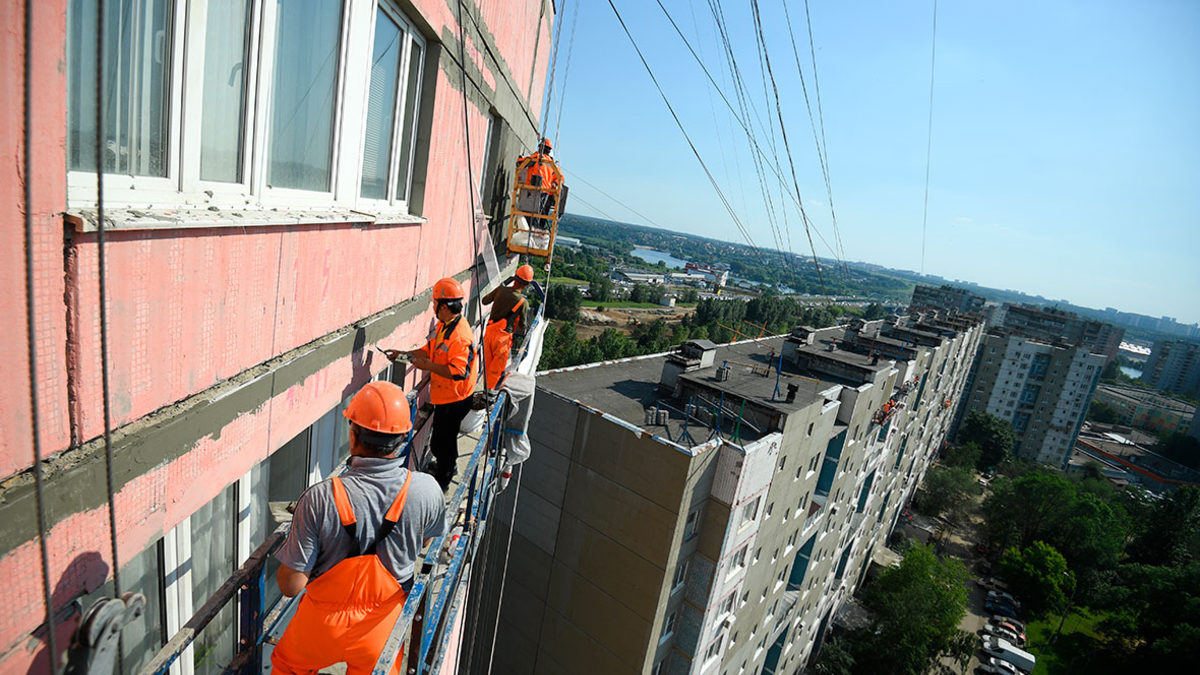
column 393, row 514
column 342, row 500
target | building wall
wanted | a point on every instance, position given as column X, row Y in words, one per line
column 1174, row 366
column 1042, row 390
column 225, row 341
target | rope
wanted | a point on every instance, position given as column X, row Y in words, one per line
column 103, row 292
column 929, row 134
column 562, row 94
column 512, row 525
column 34, row 411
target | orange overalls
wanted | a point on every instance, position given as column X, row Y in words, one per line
column 347, row 613
column 497, row 345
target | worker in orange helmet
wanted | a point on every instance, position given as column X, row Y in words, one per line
column 449, row 356
column 353, row 543
column 543, row 174
column 508, row 317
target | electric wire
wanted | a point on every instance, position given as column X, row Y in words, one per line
column 101, row 264
column 812, row 50
column 618, row 201
column 683, row 130
column 738, row 118
column 929, row 134
column 595, row 208
column 786, row 146
column 562, row 94
column 31, row 338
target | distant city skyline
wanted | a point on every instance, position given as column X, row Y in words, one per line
column 1063, row 148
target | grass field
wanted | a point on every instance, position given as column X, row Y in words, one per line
column 1075, row 652
column 569, row 280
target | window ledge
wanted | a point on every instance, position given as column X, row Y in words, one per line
column 85, row 220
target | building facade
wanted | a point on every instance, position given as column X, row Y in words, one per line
column 710, row 510
column 1053, row 325
column 1174, row 366
column 271, row 218
column 1143, row 409
column 946, row 298
column 1042, row 390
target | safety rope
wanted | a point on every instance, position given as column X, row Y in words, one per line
column 34, row 410
column 512, row 525
column 103, row 293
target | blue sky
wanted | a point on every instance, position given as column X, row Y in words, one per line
column 1066, row 136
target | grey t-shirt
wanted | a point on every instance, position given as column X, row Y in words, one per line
column 317, row 541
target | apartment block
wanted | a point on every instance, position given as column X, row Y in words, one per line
column 946, row 298
column 283, row 183
column 1053, row 325
column 1043, row 390
column 709, row 510
column 1146, row 409
column 1174, row 366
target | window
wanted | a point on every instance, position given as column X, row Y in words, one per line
column 680, row 576
column 668, row 628
column 714, row 649
column 692, row 527
column 750, row 510
column 727, row 605
column 739, row 560
column 278, row 105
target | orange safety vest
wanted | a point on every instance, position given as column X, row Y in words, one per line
column 452, row 345
column 347, row 613
column 544, row 168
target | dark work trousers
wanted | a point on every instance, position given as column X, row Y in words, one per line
column 443, row 440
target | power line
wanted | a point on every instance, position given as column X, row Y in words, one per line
column 682, row 130
column 593, row 207
column 929, row 134
column 787, row 148
column 618, row 201
column 734, row 113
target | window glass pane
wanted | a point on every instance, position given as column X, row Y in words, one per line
column 212, row 563
column 221, row 129
column 280, row 478
column 408, row 127
column 136, row 80
column 142, row 637
column 307, row 41
column 381, row 105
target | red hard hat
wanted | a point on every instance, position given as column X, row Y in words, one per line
column 382, row 407
column 525, row 273
column 448, row 289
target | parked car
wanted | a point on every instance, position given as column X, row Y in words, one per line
column 997, row 666
column 1005, row 631
column 1001, row 595
column 1001, row 608
column 997, row 619
column 991, row 584
column 1007, row 651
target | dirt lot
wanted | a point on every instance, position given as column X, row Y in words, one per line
column 592, row 323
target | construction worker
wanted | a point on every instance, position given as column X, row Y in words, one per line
column 543, row 173
column 353, row 543
column 449, row 356
column 507, row 317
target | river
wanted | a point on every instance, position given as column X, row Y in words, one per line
column 1132, row 372
column 654, row 257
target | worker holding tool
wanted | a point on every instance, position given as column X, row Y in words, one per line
column 508, row 317
column 543, row 173
column 353, row 543
column 449, row 356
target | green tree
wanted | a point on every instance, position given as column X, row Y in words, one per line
column 690, row 295
column 1182, row 448
column 562, row 302
column 874, row 311
column 614, row 344
column 993, row 435
column 945, row 491
column 965, row 456
column 835, row 658
column 916, row 609
column 639, row 293
column 1102, row 412
column 600, row 288
column 1038, row 574
column 1111, row 373
column 1169, row 530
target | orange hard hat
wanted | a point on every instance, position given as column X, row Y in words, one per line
column 525, row 273
column 382, row 407
column 448, row 289
column 546, row 142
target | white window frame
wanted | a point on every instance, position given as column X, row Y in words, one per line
column 182, row 187
column 680, row 576
column 668, row 628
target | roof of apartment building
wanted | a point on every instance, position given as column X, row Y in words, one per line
column 1151, row 397
column 627, row 388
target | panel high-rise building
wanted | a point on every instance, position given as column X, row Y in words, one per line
column 946, row 298
column 1174, row 366
column 711, row 509
column 1053, row 325
column 1042, row 390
